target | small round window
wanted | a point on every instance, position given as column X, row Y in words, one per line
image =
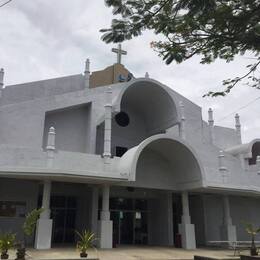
column 122, row 119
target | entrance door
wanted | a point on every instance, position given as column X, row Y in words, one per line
column 127, row 227
column 63, row 213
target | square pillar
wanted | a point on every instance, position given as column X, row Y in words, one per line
column 170, row 219
column 44, row 224
column 186, row 229
column 94, row 210
column 227, row 230
column 105, row 225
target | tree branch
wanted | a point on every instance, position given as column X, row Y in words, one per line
column 5, row 3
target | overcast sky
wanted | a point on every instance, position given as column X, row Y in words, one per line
column 42, row 39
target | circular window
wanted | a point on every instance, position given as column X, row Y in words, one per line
column 122, row 119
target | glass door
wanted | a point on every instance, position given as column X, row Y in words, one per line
column 140, row 232
column 63, row 213
column 126, row 227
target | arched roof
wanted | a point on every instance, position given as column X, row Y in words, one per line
column 128, row 162
column 152, row 100
column 245, row 149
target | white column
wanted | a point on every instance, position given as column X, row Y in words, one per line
column 105, row 213
column 108, row 124
column 1, row 81
column 94, row 210
column 50, row 148
column 170, row 219
column 87, row 73
column 222, row 168
column 182, row 123
column 238, row 128
column 211, row 125
column 227, row 230
column 105, row 224
column 146, row 75
column 258, row 164
column 187, row 230
column 44, row 223
column 46, row 197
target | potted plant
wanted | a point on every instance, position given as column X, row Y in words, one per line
column 252, row 231
column 6, row 243
column 28, row 229
column 86, row 241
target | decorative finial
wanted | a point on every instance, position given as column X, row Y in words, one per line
column 87, row 63
column 221, row 164
column 119, row 53
column 146, row 75
column 238, row 128
column 87, row 73
column 182, row 123
column 237, row 119
column 210, row 117
column 2, row 72
column 108, row 124
column 51, row 139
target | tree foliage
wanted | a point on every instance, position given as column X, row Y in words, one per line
column 209, row 28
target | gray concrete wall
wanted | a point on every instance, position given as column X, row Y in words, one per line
column 198, row 218
column 242, row 209
column 22, row 191
column 245, row 209
column 72, row 127
column 40, row 89
column 158, row 221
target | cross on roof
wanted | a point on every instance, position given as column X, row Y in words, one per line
column 119, row 53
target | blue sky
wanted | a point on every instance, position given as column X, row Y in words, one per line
column 42, row 39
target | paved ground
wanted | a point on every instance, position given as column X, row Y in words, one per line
column 128, row 253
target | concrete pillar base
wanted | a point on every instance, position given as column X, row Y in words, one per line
column 43, row 234
column 105, row 233
column 187, row 232
column 228, row 233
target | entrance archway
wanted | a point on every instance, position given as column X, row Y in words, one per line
column 163, row 162
column 169, row 165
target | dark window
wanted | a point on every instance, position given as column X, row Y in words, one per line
column 141, row 204
column 120, row 151
column 122, row 119
column 12, row 208
column 255, row 153
column 121, row 203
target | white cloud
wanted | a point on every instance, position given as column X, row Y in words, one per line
column 43, row 38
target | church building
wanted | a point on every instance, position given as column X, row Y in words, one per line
column 128, row 158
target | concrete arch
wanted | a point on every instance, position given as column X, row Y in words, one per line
column 244, row 149
column 151, row 100
column 191, row 172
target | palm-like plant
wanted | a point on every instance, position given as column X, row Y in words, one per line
column 6, row 242
column 251, row 230
column 86, row 241
column 28, row 229
column 31, row 220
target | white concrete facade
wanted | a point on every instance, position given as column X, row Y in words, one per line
column 67, row 136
